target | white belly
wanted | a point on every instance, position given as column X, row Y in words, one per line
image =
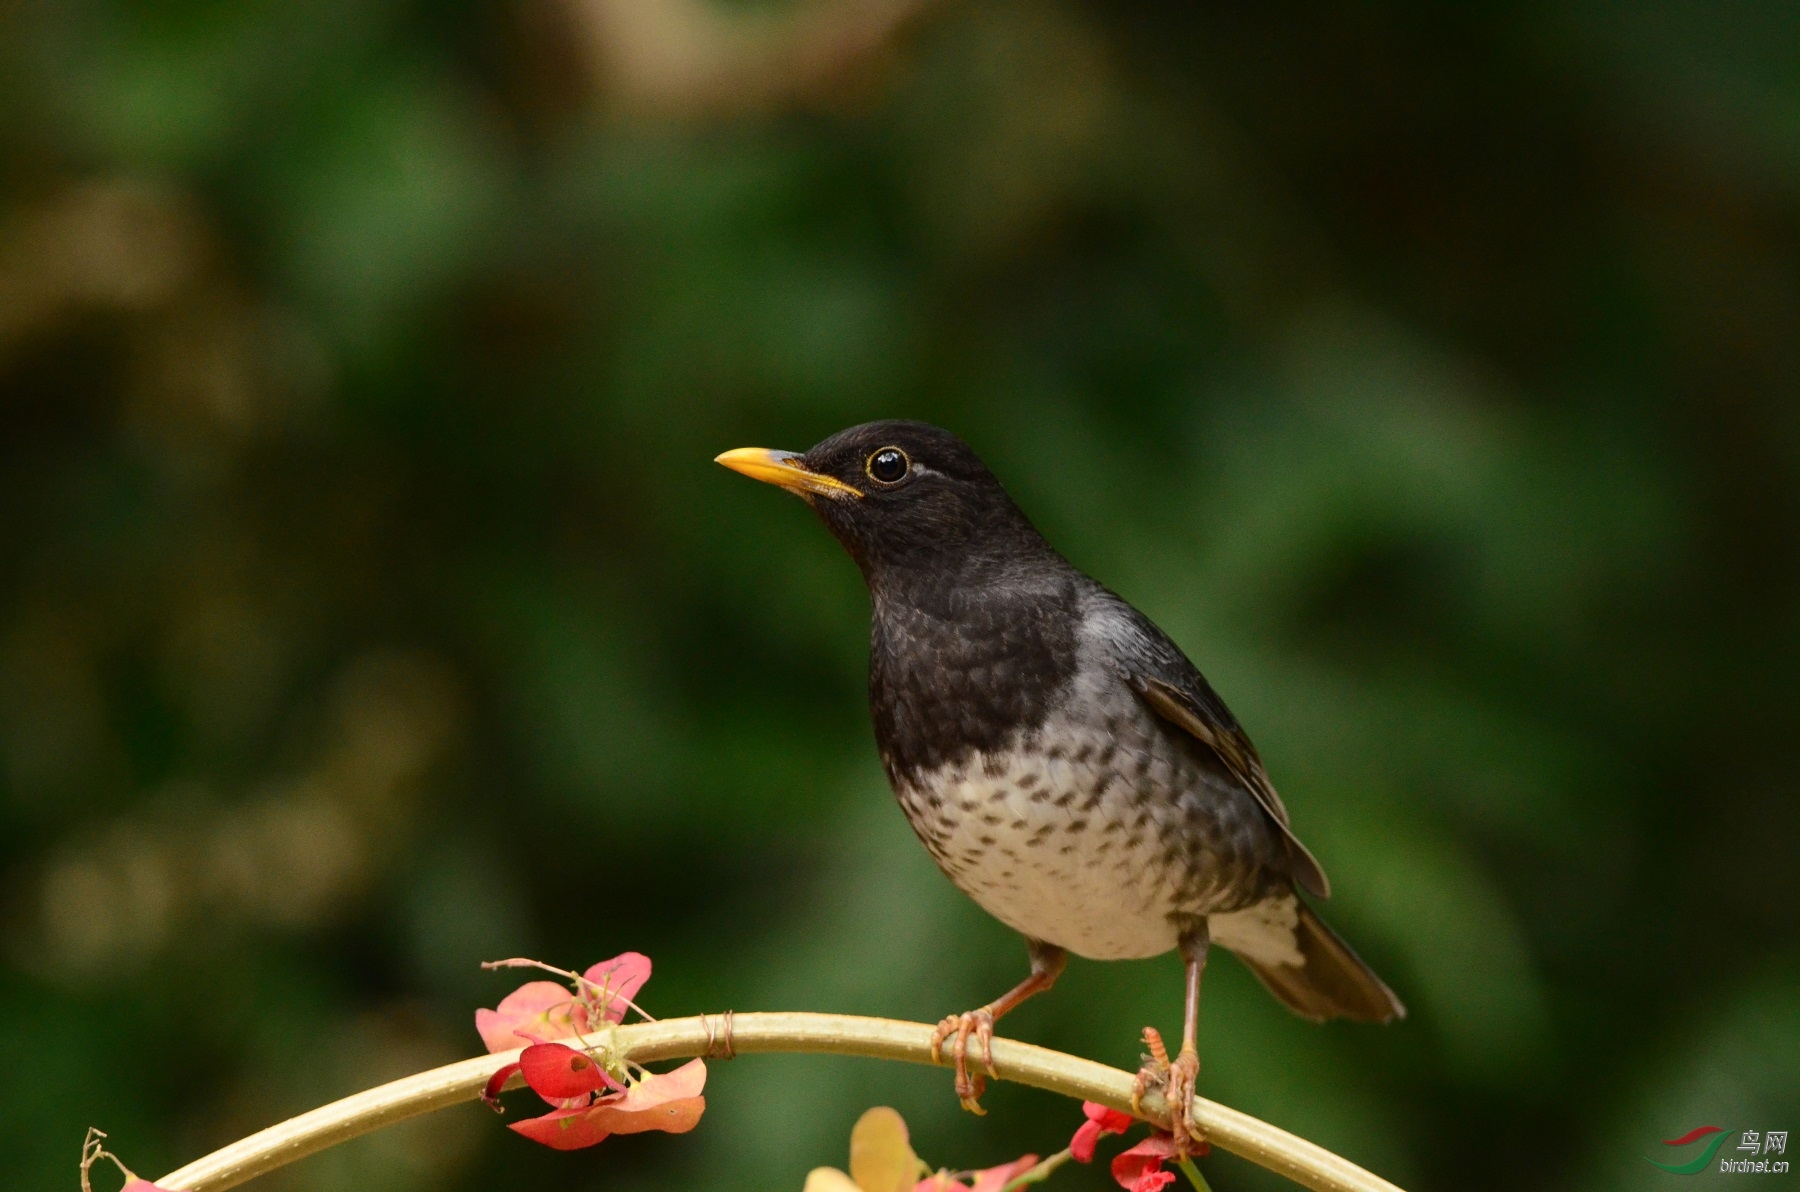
column 1052, row 850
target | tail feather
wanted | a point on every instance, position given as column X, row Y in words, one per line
column 1329, row 981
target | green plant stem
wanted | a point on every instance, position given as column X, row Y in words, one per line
column 708, row 1035
column 1193, row 1174
column 1040, row 1172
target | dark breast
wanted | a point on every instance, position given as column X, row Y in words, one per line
column 952, row 678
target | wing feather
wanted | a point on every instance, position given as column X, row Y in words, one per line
column 1239, row 755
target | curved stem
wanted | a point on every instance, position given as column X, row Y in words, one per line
column 837, row 1034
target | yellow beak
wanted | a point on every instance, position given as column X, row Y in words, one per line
column 779, row 468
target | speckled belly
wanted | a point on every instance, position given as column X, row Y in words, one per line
column 1099, row 842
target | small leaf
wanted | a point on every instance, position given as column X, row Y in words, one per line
column 881, row 1155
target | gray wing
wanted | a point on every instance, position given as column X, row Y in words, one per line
column 1175, row 689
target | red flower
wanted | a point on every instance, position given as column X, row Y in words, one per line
column 568, row 1080
column 670, row 1102
column 1101, row 1120
column 556, row 1073
column 1140, row 1168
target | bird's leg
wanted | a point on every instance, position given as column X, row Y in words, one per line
column 1047, row 964
column 1177, row 1077
column 1186, row 1068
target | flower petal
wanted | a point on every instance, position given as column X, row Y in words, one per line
column 544, row 1008
column 1101, row 1120
column 993, row 1179
column 829, row 1179
column 618, row 981
column 138, row 1183
column 881, row 1156
column 1140, row 1168
column 558, row 1073
column 562, row 1129
column 669, row 1101
column 491, row 1094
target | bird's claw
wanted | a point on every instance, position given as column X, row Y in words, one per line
column 1154, row 1073
column 1179, row 1093
column 979, row 1023
column 1175, row 1079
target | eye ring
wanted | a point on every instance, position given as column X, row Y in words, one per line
column 889, row 465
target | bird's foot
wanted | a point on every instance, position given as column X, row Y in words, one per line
column 979, row 1023
column 1175, row 1080
column 1153, row 1074
column 1180, row 1095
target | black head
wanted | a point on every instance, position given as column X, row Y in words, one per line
column 902, row 496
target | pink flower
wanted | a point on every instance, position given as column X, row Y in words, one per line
column 1100, row 1120
column 539, row 1011
column 991, row 1179
column 611, row 984
column 536, row 1010
column 587, row 1102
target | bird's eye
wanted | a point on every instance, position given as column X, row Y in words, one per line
column 888, row 465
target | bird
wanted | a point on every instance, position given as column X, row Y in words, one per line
column 1059, row 756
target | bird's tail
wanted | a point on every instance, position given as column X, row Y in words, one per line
column 1330, row 981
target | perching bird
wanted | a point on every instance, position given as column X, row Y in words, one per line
column 1061, row 759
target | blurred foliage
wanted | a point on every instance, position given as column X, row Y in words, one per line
column 369, row 605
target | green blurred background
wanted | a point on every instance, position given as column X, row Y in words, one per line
column 370, row 606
